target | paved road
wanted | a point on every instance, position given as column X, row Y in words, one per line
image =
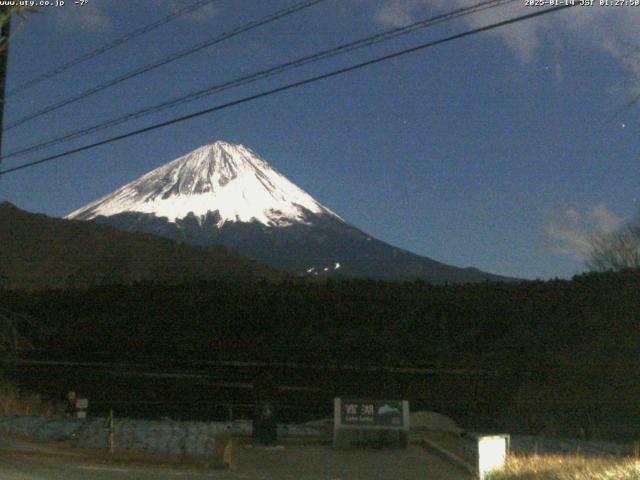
column 22, row 462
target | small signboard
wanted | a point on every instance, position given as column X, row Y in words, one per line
column 388, row 419
column 381, row 413
column 81, row 408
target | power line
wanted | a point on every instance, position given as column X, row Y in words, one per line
column 166, row 60
column 109, row 46
column 247, row 79
column 449, row 369
column 291, row 86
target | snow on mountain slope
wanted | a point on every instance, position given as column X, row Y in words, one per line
column 225, row 194
column 223, row 177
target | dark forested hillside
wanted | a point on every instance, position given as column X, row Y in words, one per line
column 37, row 252
column 590, row 317
column 564, row 349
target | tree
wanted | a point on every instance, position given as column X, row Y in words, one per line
column 618, row 250
column 12, row 342
column 6, row 12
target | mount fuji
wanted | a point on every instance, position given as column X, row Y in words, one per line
column 226, row 194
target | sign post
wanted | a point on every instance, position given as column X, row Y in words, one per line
column 265, row 429
column 82, row 404
column 112, row 433
column 360, row 422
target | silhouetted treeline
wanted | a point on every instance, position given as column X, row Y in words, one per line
column 567, row 349
column 592, row 318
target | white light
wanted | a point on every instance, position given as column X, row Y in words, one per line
column 492, row 453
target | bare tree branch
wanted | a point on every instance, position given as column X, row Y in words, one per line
column 618, row 250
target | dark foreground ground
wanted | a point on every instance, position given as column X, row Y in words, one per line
column 20, row 460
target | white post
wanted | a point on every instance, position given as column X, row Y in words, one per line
column 492, row 453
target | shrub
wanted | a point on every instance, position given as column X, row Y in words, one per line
column 556, row 467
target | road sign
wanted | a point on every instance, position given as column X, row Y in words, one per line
column 387, row 421
column 381, row 413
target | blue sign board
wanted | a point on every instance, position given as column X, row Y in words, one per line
column 389, row 413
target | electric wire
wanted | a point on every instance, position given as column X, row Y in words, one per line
column 164, row 61
column 109, row 46
column 253, row 77
column 291, row 86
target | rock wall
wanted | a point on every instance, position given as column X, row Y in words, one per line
column 189, row 438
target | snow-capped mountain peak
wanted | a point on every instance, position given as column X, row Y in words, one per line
column 221, row 177
column 225, row 194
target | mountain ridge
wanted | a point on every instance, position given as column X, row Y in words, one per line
column 225, row 194
column 41, row 252
column 220, row 176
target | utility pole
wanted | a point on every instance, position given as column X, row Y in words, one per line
column 5, row 32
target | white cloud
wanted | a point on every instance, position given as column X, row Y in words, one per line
column 611, row 30
column 94, row 17
column 205, row 13
column 398, row 13
column 89, row 17
column 568, row 230
column 523, row 38
column 604, row 219
column 202, row 14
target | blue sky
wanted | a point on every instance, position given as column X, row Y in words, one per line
column 503, row 151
